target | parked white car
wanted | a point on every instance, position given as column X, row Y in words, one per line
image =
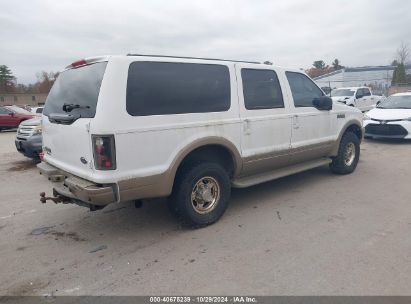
column 359, row 97
column 124, row 128
column 390, row 119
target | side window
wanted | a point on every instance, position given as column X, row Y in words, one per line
column 261, row 89
column 360, row 92
column 303, row 89
column 4, row 111
column 158, row 88
column 366, row 92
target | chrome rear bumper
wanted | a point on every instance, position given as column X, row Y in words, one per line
column 68, row 187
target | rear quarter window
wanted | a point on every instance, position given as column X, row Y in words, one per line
column 158, row 88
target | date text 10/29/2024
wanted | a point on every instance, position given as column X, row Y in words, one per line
column 204, row 299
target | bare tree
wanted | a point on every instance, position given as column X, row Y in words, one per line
column 403, row 53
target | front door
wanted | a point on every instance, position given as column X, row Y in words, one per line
column 361, row 99
column 312, row 129
column 266, row 119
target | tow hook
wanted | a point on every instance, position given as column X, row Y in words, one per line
column 56, row 198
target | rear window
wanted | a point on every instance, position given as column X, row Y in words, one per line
column 158, row 88
column 79, row 86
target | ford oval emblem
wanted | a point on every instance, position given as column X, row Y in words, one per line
column 83, row 160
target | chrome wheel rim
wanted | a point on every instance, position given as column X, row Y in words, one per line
column 349, row 154
column 205, row 195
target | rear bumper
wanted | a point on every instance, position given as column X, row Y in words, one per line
column 31, row 147
column 77, row 190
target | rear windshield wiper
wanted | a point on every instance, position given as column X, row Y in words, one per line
column 68, row 107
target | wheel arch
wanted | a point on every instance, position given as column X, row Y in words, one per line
column 353, row 126
column 210, row 148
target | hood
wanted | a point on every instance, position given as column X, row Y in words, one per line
column 32, row 122
column 389, row 114
column 340, row 98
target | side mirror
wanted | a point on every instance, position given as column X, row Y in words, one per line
column 323, row 103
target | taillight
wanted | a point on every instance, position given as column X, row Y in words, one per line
column 104, row 152
column 78, row 63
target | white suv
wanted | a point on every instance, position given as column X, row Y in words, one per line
column 123, row 128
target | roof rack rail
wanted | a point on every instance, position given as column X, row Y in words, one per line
column 183, row 57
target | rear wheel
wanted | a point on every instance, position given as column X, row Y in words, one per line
column 348, row 155
column 201, row 194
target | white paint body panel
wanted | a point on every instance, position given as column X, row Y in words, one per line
column 147, row 145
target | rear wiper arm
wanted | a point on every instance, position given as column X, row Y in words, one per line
column 68, row 107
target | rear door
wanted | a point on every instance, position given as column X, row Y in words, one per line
column 312, row 129
column 265, row 117
column 75, row 92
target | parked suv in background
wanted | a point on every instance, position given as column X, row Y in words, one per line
column 124, row 128
column 12, row 116
column 28, row 138
column 359, row 97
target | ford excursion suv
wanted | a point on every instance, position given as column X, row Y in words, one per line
column 131, row 127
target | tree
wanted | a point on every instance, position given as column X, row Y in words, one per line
column 394, row 62
column 7, row 80
column 336, row 64
column 399, row 76
column 45, row 81
column 319, row 64
column 403, row 53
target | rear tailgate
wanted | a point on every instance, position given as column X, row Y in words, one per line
column 68, row 147
column 70, row 108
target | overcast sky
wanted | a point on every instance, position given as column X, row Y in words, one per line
column 49, row 34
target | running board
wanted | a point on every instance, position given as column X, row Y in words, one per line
column 262, row 178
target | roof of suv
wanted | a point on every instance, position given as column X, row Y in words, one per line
column 402, row 94
column 351, row 88
column 200, row 58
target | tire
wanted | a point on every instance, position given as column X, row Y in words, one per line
column 346, row 162
column 213, row 193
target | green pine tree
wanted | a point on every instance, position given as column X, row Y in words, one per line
column 399, row 76
column 6, row 79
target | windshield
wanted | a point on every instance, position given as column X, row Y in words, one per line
column 19, row 110
column 396, row 102
column 78, row 87
column 342, row 92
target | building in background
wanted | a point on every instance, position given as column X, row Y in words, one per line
column 32, row 99
column 377, row 77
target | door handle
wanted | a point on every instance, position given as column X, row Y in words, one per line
column 296, row 125
column 246, row 127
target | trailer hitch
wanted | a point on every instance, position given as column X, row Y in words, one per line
column 56, row 198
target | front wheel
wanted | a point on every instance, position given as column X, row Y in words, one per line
column 201, row 194
column 348, row 155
